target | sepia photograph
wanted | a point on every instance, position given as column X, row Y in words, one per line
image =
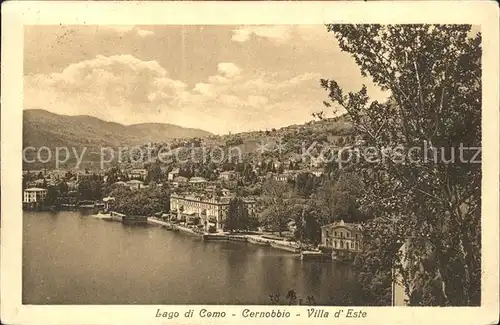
column 279, row 169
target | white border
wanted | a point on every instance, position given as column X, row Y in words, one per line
column 16, row 14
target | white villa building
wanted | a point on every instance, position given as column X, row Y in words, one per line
column 210, row 211
column 34, row 195
column 344, row 239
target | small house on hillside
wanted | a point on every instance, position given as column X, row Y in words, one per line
column 227, row 175
column 108, row 201
column 135, row 184
column 173, row 174
column 138, row 173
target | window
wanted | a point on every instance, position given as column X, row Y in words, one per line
column 335, row 244
column 335, row 234
column 356, row 236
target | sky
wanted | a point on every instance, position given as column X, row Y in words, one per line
column 217, row 78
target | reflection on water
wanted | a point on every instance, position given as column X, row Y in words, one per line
column 70, row 258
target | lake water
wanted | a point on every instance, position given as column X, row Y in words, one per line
column 70, row 258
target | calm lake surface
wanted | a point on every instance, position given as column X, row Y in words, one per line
column 70, row 258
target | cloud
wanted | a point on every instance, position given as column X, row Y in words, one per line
column 204, row 89
column 119, row 28
column 128, row 90
column 228, row 69
column 127, row 29
column 107, row 87
column 275, row 32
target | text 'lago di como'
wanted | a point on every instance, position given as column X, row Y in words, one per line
column 256, row 313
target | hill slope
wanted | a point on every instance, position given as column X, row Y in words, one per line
column 42, row 128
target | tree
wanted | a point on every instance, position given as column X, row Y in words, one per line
column 305, row 184
column 68, row 175
column 154, row 173
column 143, row 202
column 52, row 194
column 237, row 215
column 433, row 73
column 63, row 188
column 113, row 175
column 339, row 198
column 308, row 223
column 276, row 214
column 89, row 190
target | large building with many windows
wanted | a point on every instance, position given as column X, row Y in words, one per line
column 34, row 195
column 344, row 239
column 210, row 212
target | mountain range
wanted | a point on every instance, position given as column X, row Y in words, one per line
column 43, row 128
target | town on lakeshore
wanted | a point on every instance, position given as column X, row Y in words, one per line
column 230, row 204
column 341, row 175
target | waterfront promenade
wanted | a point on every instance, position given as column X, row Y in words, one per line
column 262, row 239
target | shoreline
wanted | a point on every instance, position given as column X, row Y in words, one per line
column 253, row 239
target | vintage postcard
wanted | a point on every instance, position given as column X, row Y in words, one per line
column 255, row 162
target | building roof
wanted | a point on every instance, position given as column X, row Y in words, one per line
column 197, row 180
column 134, row 181
column 139, row 170
column 35, row 189
column 341, row 223
column 175, row 171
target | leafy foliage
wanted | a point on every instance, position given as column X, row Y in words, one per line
column 308, row 221
column 238, row 217
column 276, row 212
column 142, row 202
column 433, row 73
column 89, row 190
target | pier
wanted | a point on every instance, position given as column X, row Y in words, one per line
column 315, row 255
column 115, row 216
